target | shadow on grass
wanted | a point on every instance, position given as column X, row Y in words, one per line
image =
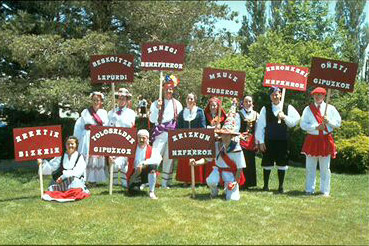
column 21, row 175
column 19, row 198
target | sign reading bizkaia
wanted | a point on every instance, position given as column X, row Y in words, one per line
column 41, row 142
column 111, row 68
column 191, row 143
column 286, row 76
column 112, row 141
column 332, row 74
column 161, row 56
column 221, row 82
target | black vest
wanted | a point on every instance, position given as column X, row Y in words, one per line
column 273, row 130
column 59, row 172
column 247, row 125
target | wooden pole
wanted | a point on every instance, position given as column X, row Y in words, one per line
column 282, row 102
column 193, row 181
column 161, row 85
column 219, row 111
column 112, row 165
column 41, row 179
column 327, row 101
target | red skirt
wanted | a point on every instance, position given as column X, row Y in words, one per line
column 184, row 172
column 319, row 145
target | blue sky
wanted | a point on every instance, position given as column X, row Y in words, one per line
column 239, row 6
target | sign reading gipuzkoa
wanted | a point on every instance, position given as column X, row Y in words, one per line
column 286, row 76
column 112, row 141
column 111, row 68
column 191, row 143
column 221, row 82
column 332, row 74
column 161, row 56
column 41, row 142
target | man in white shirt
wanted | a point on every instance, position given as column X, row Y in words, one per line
column 121, row 116
column 272, row 136
column 319, row 144
column 164, row 115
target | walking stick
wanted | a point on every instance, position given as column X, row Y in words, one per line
column 327, row 101
column 282, row 100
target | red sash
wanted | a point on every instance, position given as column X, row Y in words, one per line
column 318, row 117
column 232, row 168
column 95, row 116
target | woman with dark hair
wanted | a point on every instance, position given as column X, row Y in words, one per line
column 92, row 116
column 246, row 121
column 190, row 117
column 68, row 171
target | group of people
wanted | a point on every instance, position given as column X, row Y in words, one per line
column 239, row 135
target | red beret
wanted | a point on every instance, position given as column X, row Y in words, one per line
column 319, row 90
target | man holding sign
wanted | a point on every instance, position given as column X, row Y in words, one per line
column 272, row 137
column 164, row 115
column 319, row 144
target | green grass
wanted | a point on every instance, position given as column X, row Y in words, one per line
column 258, row 218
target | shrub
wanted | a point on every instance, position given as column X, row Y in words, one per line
column 352, row 155
column 348, row 129
column 361, row 117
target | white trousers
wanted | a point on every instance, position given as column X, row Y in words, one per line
column 160, row 146
column 325, row 173
column 213, row 181
column 120, row 166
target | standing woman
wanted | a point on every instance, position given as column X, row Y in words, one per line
column 190, row 117
column 246, row 120
column 94, row 115
column 211, row 115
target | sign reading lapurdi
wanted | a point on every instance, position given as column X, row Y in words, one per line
column 162, row 56
column 332, row 74
column 221, row 82
column 191, row 143
column 111, row 68
column 33, row 143
column 112, row 141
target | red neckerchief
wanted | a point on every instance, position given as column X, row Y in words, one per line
column 232, row 167
column 95, row 116
column 318, row 117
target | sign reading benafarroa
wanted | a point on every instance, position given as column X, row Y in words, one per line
column 332, row 74
column 113, row 141
column 222, row 82
column 191, row 143
column 162, row 56
column 286, row 76
column 111, row 68
column 32, row 143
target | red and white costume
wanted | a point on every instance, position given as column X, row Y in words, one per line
column 319, row 145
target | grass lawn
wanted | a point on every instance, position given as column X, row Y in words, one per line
column 175, row 218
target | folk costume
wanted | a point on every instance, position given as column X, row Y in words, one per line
column 165, row 119
column 246, row 122
column 228, row 161
column 121, row 117
column 211, row 120
column 149, row 165
column 188, row 119
column 96, row 168
column 319, row 144
column 72, row 171
column 275, row 137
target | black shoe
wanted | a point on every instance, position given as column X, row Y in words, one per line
column 265, row 188
column 280, row 190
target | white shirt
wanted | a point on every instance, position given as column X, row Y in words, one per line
column 168, row 113
column 127, row 117
column 189, row 115
column 291, row 120
column 309, row 123
column 68, row 164
column 248, row 116
column 236, row 155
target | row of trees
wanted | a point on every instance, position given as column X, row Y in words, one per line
column 46, row 46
